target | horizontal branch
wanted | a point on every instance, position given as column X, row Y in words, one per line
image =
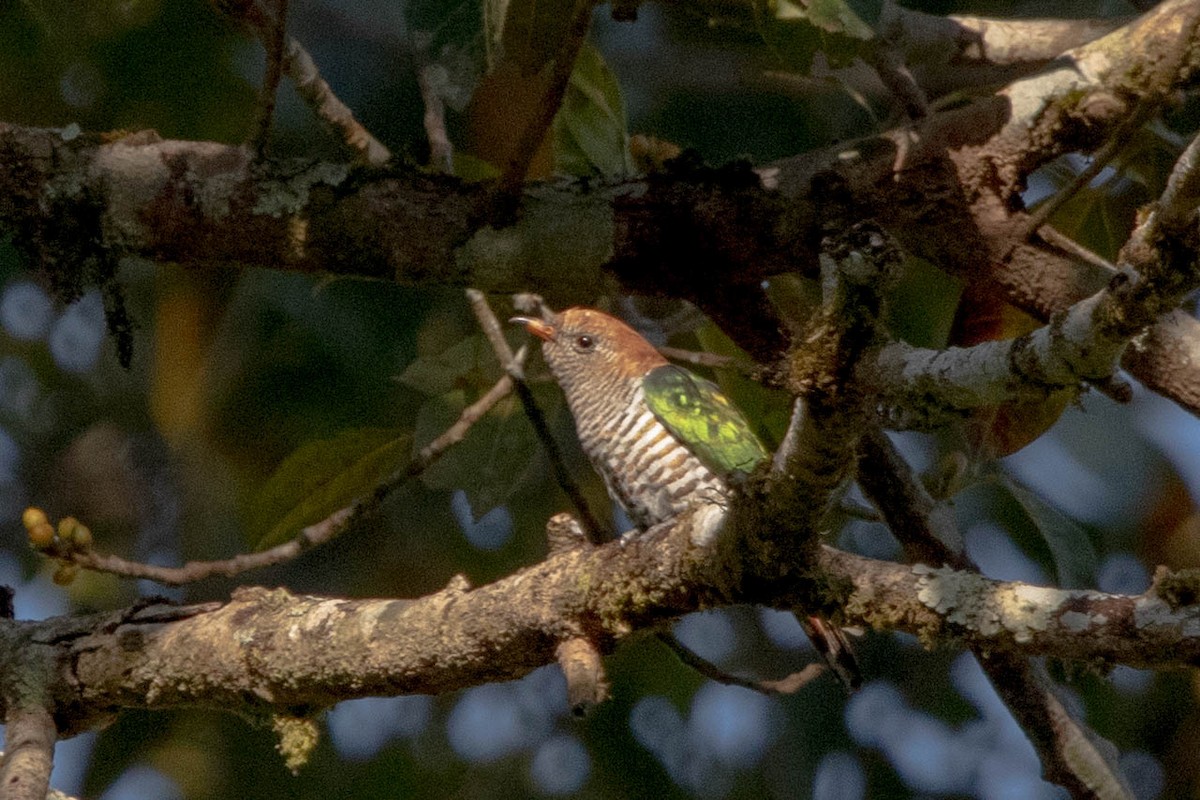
column 691, row 233
column 1081, row 345
column 286, row 650
column 272, row 649
column 1146, row 630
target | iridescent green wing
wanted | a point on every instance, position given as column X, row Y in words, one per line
column 696, row 412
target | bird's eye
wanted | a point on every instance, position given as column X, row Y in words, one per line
column 584, row 342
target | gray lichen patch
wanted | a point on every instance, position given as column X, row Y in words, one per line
column 1078, row 622
column 1152, row 612
column 287, row 197
column 973, row 602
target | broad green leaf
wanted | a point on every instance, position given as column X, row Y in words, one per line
column 590, row 130
column 921, row 310
column 1070, row 546
column 470, row 168
column 491, row 462
column 323, row 476
column 797, row 29
column 831, row 16
column 470, row 363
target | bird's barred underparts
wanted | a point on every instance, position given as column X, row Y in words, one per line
column 645, row 468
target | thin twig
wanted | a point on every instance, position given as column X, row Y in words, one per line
column 888, row 63
column 491, row 328
column 1114, row 145
column 274, row 45
column 314, row 90
column 1052, row 236
column 29, row 737
column 316, row 534
column 560, row 76
column 311, row 87
column 788, row 685
column 441, row 151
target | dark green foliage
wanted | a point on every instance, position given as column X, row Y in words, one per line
column 322, row 477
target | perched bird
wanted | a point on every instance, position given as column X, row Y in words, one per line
column 662, row 438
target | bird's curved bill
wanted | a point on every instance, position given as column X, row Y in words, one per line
column 543, row 330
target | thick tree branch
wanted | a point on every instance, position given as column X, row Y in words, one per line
column 1146, row 630
column 1083, row 344
column 272, row 649
column 200, row 203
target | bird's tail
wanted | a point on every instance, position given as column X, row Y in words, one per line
column 835, row 649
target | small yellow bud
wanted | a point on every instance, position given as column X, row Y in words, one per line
column 83, row 537
column 41, row 535
column 66, row 528
column 33, row 517
column 65, row 574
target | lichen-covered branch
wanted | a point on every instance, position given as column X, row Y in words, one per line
column 200, row 203
column 700, row 234
column 1072, row 755
column 818, row 451
column 270, row 649
column 1084, row 344
column 1153, row 629
column 965, row 169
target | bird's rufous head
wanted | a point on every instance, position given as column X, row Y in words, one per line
column 582, row 342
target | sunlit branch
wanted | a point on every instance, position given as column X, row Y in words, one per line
column 1085, row 343
column 1151, row 630
column 271, row 648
